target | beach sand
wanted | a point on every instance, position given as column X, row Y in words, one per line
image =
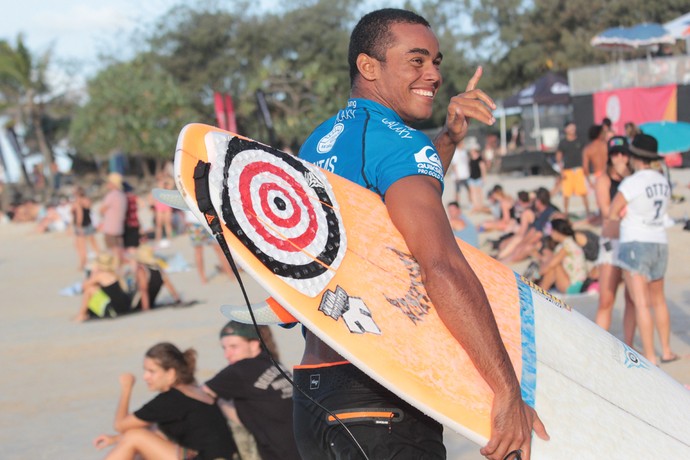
column 59, row 385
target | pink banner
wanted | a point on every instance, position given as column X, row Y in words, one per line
column 638, row 105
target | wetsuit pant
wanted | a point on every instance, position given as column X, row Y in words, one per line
column 385, row 426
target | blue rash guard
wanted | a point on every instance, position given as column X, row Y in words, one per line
column 372, row 146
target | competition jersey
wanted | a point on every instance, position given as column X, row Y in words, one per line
column 647, row 193
column 372, row 146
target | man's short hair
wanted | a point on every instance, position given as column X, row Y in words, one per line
column 372, row 35
column 595, row 131
column 543, row 196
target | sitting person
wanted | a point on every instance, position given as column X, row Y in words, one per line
column 565, row 268
column 104, row 278
column 150, row 279
column 193, row 427
column 527, row 239
column 502, row 206
column 461, row 225
column 261, row 395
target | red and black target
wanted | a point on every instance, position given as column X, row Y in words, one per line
column 280, row 210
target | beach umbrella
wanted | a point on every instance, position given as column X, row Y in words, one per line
column 672, row 136
column 627, row 38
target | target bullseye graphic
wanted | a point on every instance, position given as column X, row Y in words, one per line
column 284, row 212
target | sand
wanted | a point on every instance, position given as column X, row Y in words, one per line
column 59, row 384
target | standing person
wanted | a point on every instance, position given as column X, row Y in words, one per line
column 132, row 232
column 595, row 154
column 199, row 238
column 83, row 226
column 569, row 160
column 460, row 167
column 643, row 252
column 631, row 130
column 113, row 211
column 476, row 180
column 394, row 62
column 193, row 425
column 610, row 274
column 261, row 395
column 608, row 128
column 163, row 214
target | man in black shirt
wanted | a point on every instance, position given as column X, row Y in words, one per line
column 262, row 396
column 569, row 158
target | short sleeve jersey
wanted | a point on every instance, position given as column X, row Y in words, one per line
column 372, row 146
column 572, row 153
column 647, row 193
column 263, row 398
column 190, row 423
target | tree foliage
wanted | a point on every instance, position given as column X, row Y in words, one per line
column 135, row 107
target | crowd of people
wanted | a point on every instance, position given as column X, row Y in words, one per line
column 624, row 242
column 247, row 409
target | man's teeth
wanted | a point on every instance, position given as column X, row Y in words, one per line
column 423, row 92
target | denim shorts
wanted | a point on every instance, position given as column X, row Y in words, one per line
column 647, row 259
column 475, row 182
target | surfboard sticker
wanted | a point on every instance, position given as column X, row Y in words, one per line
column 284, row 211
column 354, row 312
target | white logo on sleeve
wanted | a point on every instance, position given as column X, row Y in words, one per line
column 328, row 141
column 429, row 164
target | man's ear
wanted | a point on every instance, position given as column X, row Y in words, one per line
column 368, row 67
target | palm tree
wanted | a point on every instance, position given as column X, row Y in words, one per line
column 23, row 87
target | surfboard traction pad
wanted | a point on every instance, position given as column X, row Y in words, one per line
column 293, row 247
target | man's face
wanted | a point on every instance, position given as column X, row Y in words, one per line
column 410, row 76
column 571, row 129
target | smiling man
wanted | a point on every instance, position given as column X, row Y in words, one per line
column 394, row 61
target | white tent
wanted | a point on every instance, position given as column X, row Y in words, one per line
column 680, row 29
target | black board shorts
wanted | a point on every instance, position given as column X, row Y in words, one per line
column 384, row 425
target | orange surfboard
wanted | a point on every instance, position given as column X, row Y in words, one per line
column 328, row 254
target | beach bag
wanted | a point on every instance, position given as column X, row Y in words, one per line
column 99, row 305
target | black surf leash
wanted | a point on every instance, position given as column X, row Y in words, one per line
column 203, row 199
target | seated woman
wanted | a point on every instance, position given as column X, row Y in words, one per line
column 502, row 206
column 566, row 268
column 104, row 278
column 150, row 279
column 192, row 425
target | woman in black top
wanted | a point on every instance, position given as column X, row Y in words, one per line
column 193, row 425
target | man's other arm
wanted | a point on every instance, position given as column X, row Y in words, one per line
column 415, row 207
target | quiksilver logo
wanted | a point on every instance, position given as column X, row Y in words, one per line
column 328, row 141
column 423, row 157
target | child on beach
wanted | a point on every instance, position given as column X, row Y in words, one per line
column 192, row 426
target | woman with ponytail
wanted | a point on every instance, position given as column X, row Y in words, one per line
column 193, row 427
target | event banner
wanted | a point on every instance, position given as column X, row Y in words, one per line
column 225, row 112
column 638, row 105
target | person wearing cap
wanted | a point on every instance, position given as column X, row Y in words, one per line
column 104, row 277
column 643, row 251
column 610, row 274
column 261, row 394
column 113, row 211
column 150, row 279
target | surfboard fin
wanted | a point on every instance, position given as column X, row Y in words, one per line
column 267, row 312
column 172, row 198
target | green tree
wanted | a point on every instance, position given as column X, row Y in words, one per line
column 135, row 107
column 522, row 39
column 25, row 90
